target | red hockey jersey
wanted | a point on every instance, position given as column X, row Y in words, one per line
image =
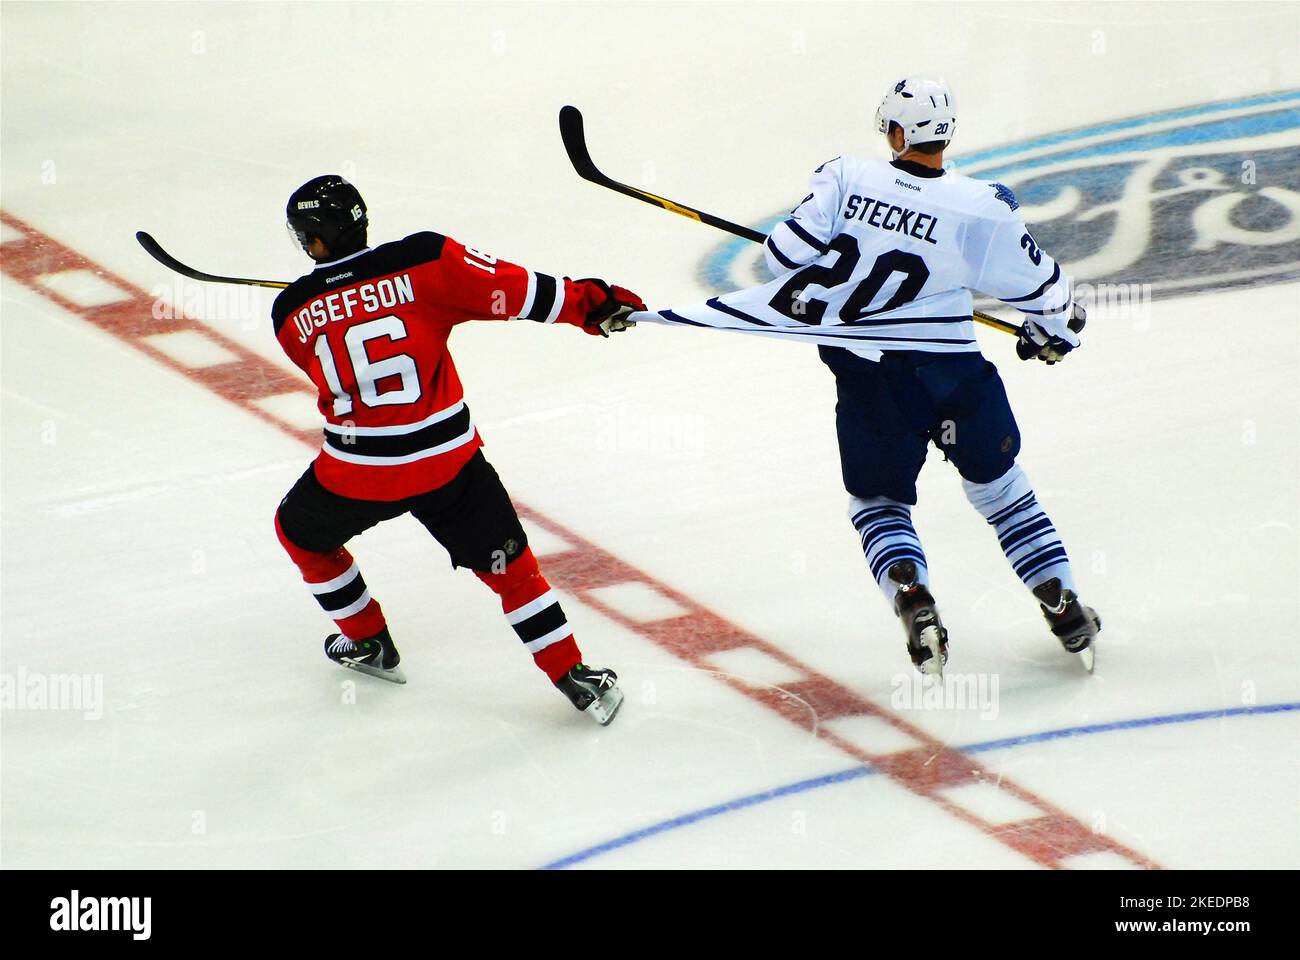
column 371, row 330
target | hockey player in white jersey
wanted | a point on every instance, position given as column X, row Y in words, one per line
column 876, row 266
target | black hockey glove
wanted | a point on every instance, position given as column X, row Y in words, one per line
column 1034, row 341
column 610, row 315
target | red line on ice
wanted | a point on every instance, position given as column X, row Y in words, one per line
column 1049, row 836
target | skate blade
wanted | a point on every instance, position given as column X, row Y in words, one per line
column 1088, row 655
column 604, row 708
column 395, row 675
column 932, row 640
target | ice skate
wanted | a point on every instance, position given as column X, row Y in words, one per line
column 927, row 639
column 592, row 690
column 376, row 656
column 1074, row 624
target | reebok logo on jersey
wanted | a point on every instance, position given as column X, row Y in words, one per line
column 909, row 186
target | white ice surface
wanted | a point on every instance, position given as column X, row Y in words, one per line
column 136, row 522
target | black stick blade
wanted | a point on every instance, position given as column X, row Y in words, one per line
column 155, row 250
column 575, row 144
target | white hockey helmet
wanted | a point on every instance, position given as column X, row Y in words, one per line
column 924, row 108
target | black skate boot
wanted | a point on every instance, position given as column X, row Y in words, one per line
column 1074, row 624
column 927, row 639
column 592, row 690
column 376, row 656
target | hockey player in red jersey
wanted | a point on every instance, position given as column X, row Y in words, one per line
column 369, row 326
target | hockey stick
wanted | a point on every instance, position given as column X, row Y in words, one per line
column 575, row 144
column 155, row 250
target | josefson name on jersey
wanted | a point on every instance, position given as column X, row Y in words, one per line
column 339, row 305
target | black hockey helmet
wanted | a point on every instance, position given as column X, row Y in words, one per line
column 330, row 208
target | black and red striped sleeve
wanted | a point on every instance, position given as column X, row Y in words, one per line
column 478, row 286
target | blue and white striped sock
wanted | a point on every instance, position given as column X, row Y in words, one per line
column 1028, row 538
column 885, row 528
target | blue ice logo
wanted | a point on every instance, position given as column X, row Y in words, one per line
column 1189, row 199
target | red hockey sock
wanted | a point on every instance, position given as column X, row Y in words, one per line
column 335, row 580
column 533, row 610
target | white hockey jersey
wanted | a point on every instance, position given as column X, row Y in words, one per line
column 883, row 256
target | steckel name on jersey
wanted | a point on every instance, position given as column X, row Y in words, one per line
column 883, row 255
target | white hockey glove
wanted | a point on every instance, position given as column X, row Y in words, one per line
column 1035, row 342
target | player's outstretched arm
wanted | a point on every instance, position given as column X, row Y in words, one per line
column 1006, row 263
column 478, row 286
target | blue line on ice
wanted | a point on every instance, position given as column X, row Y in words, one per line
column 858, row 772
